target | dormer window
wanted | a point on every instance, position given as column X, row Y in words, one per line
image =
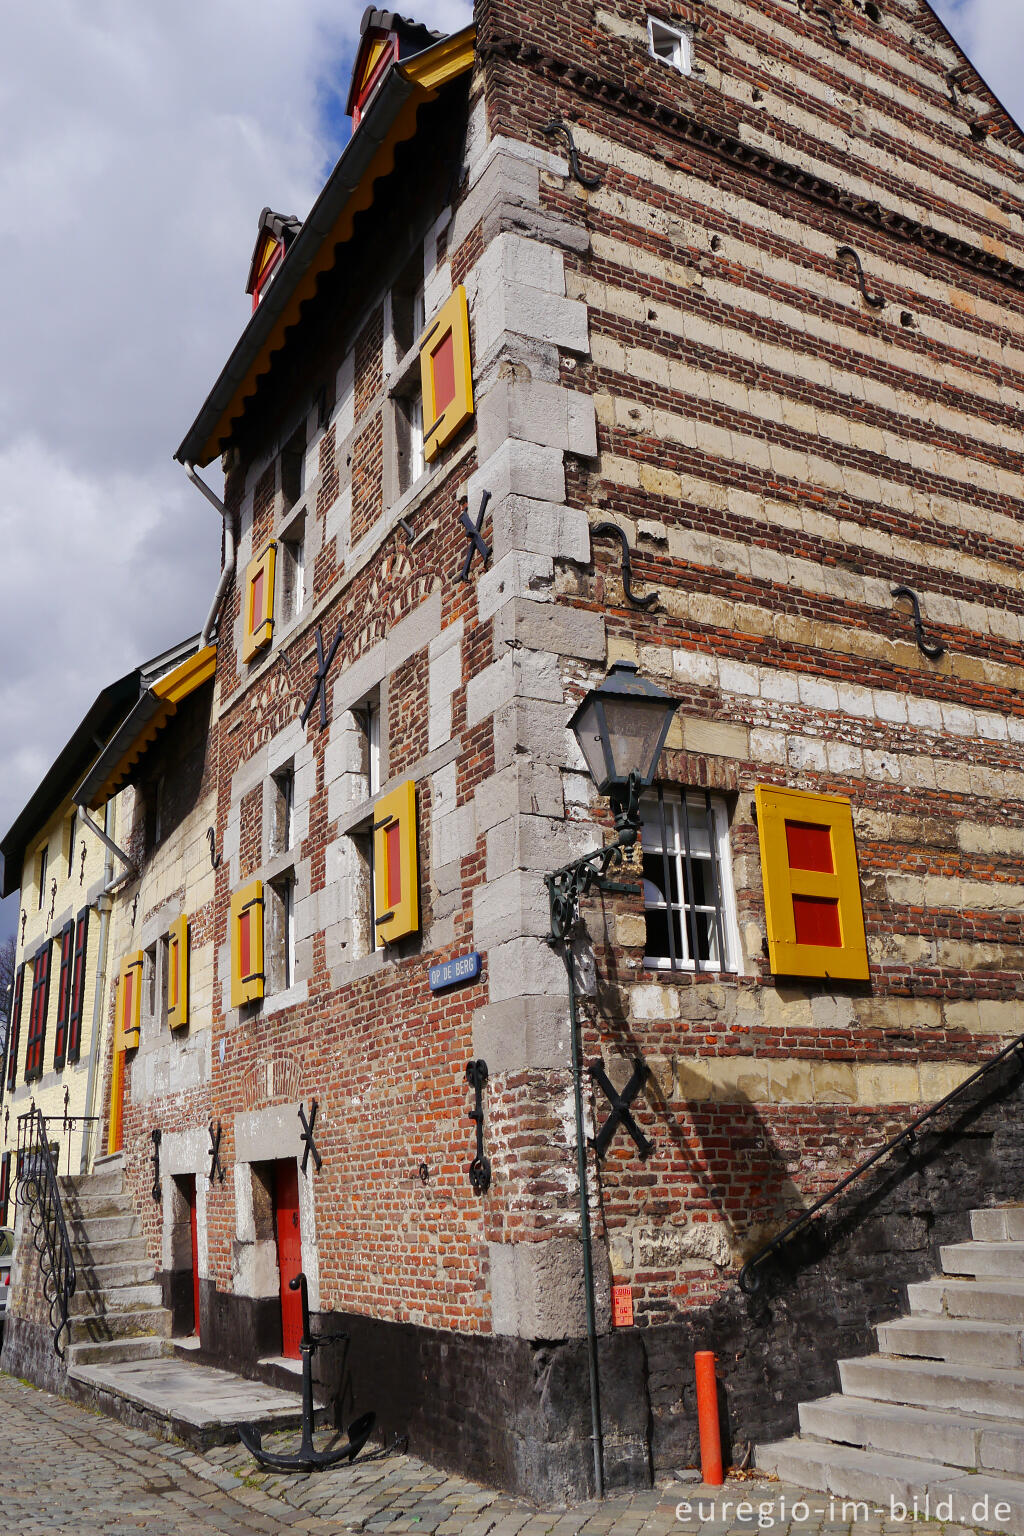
column 671, row 45
column 274, row 235
column 383, row 39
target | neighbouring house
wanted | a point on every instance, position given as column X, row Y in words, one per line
column 687, row 337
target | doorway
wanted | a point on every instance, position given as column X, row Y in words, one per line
column 288, row 1233
column 188, row 1189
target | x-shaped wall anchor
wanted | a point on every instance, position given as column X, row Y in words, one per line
column 476, row 542
column 319, row 690
column 216, row 1166
column 307, row 1135
column 620, row 1103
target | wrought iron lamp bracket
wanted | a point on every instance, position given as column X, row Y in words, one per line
column 566, row 886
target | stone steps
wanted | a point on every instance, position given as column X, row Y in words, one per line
column 121, row 1298
column 995, row 1301
column 946, row 1389
column 954, row 1339
column 84, row 1231
column 956, row 1439
column 105, row 1352
column 103, row 1327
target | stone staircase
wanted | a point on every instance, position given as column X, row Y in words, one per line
column 116, row 1311
column 938, row 1413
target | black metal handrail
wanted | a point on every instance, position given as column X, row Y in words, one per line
column 749, row 1279
column 38, row 1193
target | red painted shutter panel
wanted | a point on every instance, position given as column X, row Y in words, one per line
column 14, row 1030
column 78, row 986
column 67, row 950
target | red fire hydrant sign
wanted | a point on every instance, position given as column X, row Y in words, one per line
column 622, row 1306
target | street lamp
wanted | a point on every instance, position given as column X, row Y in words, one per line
column 621, row 728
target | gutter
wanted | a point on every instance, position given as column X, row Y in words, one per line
column 228, row 569
column 90, row 1151
column 344, row 181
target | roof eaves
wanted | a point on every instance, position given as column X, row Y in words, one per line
column 356, row 158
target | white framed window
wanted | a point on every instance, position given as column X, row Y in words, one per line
column 292, row 562
column 371, row 729
column 281, row 949
column 672, row 45
column 689, row 899
column 283, row 833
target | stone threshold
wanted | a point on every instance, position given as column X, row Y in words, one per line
column 181, row 1399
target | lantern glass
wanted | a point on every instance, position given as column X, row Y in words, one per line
column 621, row 728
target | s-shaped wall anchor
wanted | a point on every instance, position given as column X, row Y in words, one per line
column 874, row 300
column 556, row 125
column 933, row 652
column 614, row 531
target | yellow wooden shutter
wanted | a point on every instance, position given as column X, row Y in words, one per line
column 811, row 886
column 258, row 603
column 395, row 865
column 247, row 944
column 177, row 973
column 446, row 374
column 129, row 1001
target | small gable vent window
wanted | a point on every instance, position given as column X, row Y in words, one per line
column 670, row 44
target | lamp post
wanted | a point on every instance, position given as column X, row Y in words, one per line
column 621, row 728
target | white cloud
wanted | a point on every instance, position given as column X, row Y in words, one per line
column 992, row 34
column 141, row 141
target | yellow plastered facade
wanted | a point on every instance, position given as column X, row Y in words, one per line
column 247, row 986
column 258, row 634
column 776, row 807
column 177, row 973
column 441, row 426
column 77, row 891
column 396, row 914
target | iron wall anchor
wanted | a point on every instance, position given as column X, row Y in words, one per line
column 306, row 1135
column 620, row 1108
column 873, row 300
column 476, row 539
column 480, row 1167
column 156, row 1191
column 323, row 666
column 612, row 530
column 216, row 1166
column 933, row 652
column 558, row 126
column 308, row 1458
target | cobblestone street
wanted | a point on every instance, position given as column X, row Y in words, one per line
column 66, row 1469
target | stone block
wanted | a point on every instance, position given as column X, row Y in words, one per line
column 524, row 786
column 537, row 1289
column 519, row 469
column 522, row 1033
column 540, row 528
column 554, row 627
column 523, row 968
column 522, row 310
column 510, row 907
column 715, row 738
column 517, row 574
column 536, row 727
column 517, row 674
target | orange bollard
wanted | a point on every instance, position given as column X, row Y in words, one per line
column 707, row 1419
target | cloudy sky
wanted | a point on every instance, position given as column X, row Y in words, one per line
column 141, row 141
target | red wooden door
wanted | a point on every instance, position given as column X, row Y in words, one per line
column 190, row 1192
column 289, row 1253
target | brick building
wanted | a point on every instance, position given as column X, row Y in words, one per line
column 739, row 284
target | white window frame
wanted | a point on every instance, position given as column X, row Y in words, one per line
column 678, row 40
column 684, row 960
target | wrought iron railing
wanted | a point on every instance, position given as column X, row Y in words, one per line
column 38, row 1195
column 749, row 1276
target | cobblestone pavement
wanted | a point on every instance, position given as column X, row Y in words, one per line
column 69, row 1470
